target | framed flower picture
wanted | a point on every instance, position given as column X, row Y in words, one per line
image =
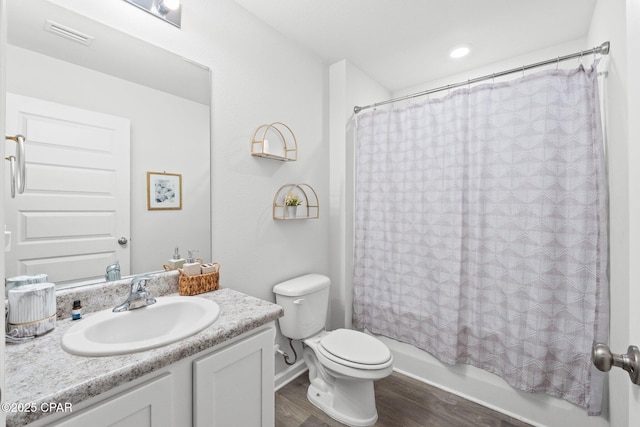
column 164, row 191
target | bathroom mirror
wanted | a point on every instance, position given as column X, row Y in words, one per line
column 66, row 76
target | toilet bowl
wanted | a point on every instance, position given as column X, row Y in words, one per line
column 343, row 363
column 352, row 353
column 342, row 385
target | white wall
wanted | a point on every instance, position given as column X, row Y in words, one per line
column 470, row 382
column 618, row 20
column 164, row 130
column 633, row 111
column 258, row 77
column 348, row 87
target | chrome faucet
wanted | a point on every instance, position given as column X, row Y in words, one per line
column 138, row 297
column 113, row 272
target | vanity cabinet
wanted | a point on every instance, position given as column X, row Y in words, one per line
column 231, row 384
column 234, row 387
column 146, row 405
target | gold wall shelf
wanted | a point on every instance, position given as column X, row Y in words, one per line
column 308, row 209
column 275, row 141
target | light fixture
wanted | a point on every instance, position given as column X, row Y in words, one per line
column 166, row 6
column 460, row 51
column 167, row 10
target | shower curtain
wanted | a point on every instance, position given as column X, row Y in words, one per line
column 481, row 230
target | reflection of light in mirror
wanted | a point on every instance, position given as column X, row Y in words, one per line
column 168, row 4
column 167, row 10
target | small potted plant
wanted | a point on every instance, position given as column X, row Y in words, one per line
column 292, row 200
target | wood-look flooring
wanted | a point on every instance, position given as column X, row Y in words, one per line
column 401, row 402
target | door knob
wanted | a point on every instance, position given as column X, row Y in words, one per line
column 630, row 362
column 122, row 241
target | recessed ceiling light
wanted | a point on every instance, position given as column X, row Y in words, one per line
column 460, row 51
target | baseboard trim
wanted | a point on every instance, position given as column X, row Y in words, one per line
column 291, row 373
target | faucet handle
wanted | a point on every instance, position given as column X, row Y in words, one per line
column 112, row 272
column 139, row 283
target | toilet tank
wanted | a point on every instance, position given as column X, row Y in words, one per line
column 305, row 300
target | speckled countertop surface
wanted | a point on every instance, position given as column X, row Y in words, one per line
column 39, row 371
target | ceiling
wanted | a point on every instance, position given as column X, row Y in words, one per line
column 402, row 43
column 139, row 62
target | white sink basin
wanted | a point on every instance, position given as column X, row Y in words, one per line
column 168, row 320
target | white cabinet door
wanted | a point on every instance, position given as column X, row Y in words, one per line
column 234, row 386
column 75, row 205
column 147, row 405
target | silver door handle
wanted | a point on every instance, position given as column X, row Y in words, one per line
column 630, row 362
column 122, row 241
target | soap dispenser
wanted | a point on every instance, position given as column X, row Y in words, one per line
column 191, row 267
column 177, row 261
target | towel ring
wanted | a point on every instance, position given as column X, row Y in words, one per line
column 12, row 163
column 18, row 179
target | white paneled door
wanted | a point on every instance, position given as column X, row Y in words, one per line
column 75, row 206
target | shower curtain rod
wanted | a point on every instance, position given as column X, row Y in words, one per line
column 603, row 49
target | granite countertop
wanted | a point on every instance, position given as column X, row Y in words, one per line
column 40, row 372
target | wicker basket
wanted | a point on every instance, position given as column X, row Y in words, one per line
column 194, row 285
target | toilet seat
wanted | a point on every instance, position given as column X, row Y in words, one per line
column 355, row 349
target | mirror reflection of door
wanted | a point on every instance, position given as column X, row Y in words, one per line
column 75, row 206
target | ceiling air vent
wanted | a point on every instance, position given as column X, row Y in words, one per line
column 69, row 33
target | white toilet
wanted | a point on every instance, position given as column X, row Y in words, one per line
column 343, row 363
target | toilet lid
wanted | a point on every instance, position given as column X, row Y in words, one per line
column 355, row 347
